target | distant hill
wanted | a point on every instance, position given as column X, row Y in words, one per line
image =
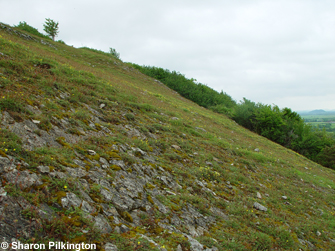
column 317, row 112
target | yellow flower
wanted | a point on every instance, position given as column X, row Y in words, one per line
column 65, row 187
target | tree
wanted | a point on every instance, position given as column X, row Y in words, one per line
column 51, row 28
column 114, row 53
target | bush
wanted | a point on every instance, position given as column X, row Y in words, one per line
column 11, row 104
column 327, row 157
column 190, row 89
column 26, row 27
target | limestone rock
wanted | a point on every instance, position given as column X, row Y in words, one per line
column 71, row 200
column 23, row 179
column 219, row 213
column 44, row 169
column 201, row 129
column 102, row 224
column 110, row 247
column 91, row 152
column 176, row 147
column 260, row 207
column 6, row 165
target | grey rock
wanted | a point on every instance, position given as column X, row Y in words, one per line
column 59, row 175
column 3, row 193
column 71, row 200
column 7, row 119
column 103, row 161
column 307, row 243
column 85, row 206
column 109, row 210
column 130, row 187
column 175, row 220
column 110, row 247
column 46, row 212
column 6, row 165
column 79, row 163
column 76, row 172
column 163, row 209
column 259, row 207
column 64, row 95
column 138, row 152
column 321, row 211
column 256, row 150
column 124, row 229
column 284, row 197
column 258, row 195
column 102, row 224
column 195, row 245
column 216, row 211
column 208, row 163
column 91, row 152
column 108, row 196
column 13, row 223
column 92, row 110
column 44, row 169
column 201, row 129
column 119, row 163
column 132, row 132
column 23, row 179
column 176, row 147
column 123, row 203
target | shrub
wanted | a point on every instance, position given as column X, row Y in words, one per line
column 26, row 27
column 327, row 157
column 8, row 103
column 130, row 116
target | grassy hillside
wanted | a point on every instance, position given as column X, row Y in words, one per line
column 94, row 151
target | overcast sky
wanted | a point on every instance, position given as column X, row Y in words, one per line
column 269, row 51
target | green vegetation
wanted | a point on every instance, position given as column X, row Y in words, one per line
column 321, row 121
column 188, row 88
column 285, row 127
column 282, row 126
column 26, row 27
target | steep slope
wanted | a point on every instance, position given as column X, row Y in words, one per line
column 93, row 151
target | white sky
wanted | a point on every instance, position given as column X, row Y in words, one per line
column 269, row 51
